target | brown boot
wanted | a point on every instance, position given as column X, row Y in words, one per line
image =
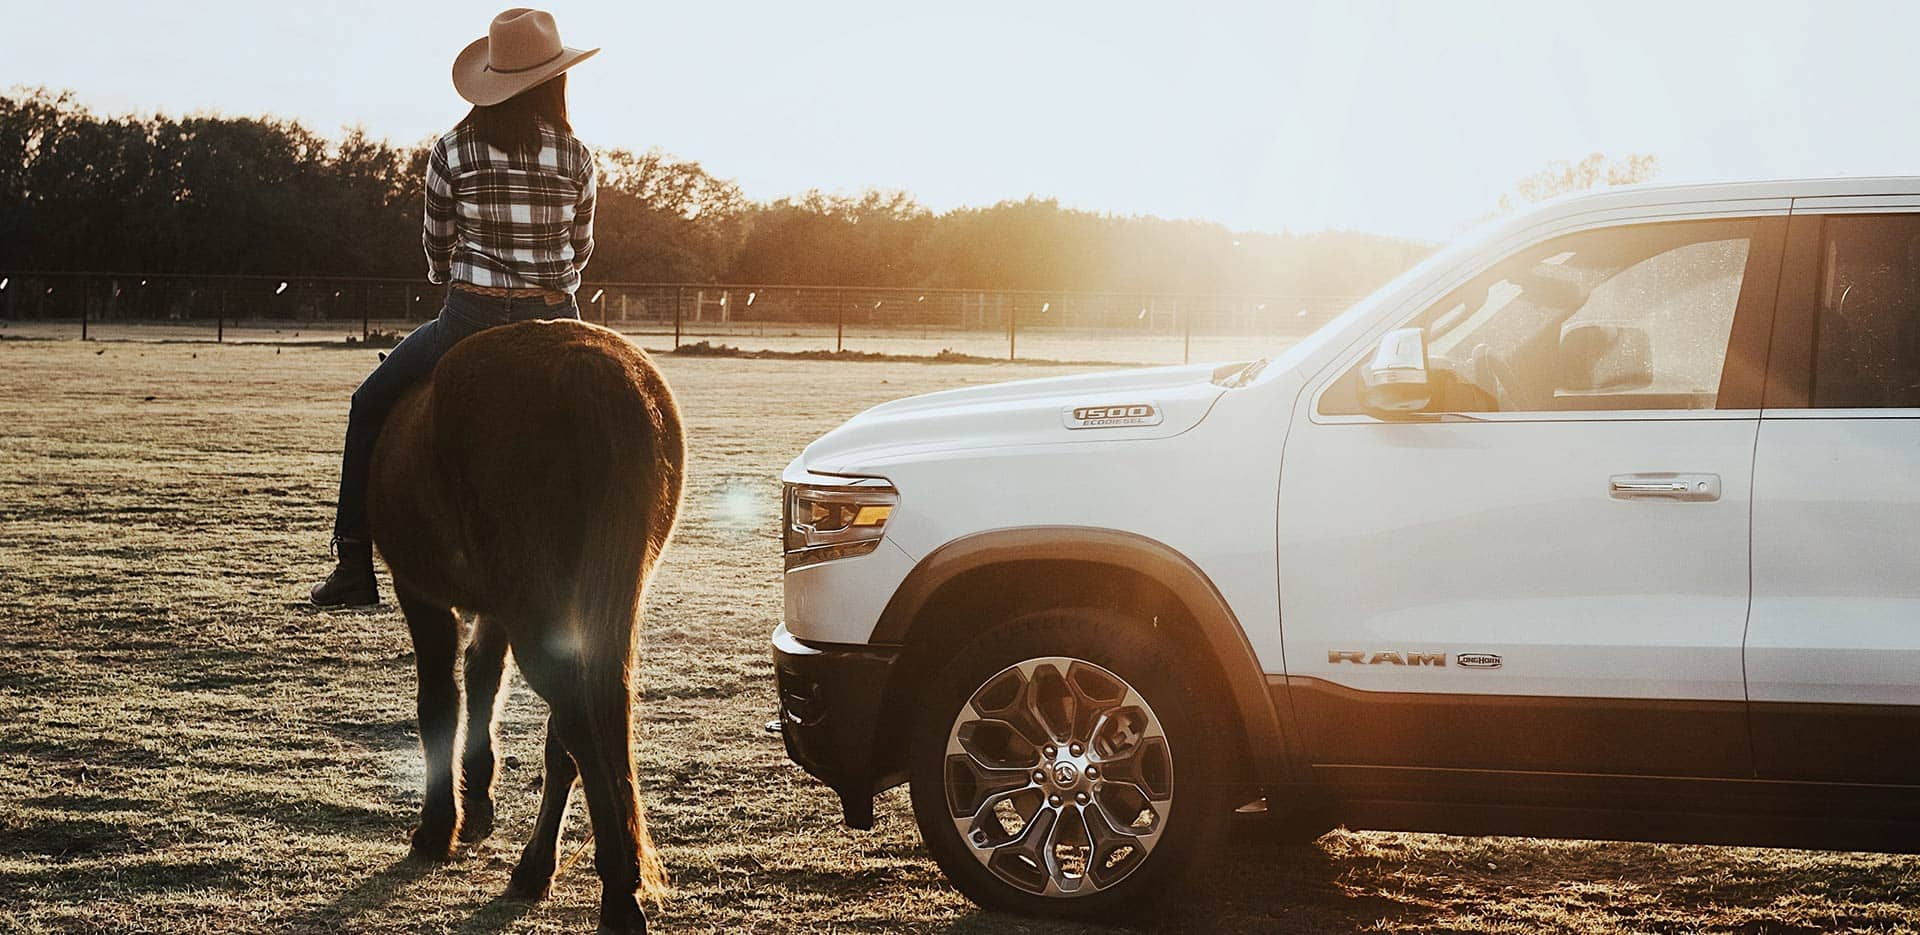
column 352, row 583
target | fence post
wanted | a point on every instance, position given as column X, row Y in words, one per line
column 839, row 322
column 1186, row 346
column 365, row 319
column 679, row 296
column 220, row 320
column 83, row 311
column 1013, row 316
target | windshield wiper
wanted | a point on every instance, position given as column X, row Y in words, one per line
column 1242, row 376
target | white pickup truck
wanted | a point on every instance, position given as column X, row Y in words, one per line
column 1603, row 524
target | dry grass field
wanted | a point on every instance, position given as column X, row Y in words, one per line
column 1139, row 346
column 185, row 747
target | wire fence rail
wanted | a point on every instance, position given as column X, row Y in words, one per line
column 985, row 323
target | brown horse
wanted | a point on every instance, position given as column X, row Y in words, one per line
column 532, row 483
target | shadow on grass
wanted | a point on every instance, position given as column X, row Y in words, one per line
column 1249, row 884
column 361, row 907
column 81, row 880
column 495, row 916
column 69, row 837
column 371, row 894
column 301, row 814
column 1253, row 885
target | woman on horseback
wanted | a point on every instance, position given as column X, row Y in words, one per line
column 509, row 227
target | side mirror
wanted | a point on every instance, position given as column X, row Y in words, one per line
column 1395, row 380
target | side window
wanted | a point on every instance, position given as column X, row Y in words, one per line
column 1683, row 300
column 1867, row 338
column 1624, row 318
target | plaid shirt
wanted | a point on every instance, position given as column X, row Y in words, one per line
column 511, row 220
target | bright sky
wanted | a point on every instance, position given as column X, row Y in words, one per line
column 1405, row 118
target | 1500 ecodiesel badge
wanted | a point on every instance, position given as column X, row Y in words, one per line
column 1599, row 524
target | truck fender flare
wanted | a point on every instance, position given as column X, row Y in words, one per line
column 1269, row 733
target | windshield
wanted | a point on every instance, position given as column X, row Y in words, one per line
column 1444, row 258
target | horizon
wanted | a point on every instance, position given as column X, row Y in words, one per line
column 336, row 136
column 1418, row 121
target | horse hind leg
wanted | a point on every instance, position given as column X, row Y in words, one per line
column 598, row 733
column 533, row 876
column 436, row 647
column 486, row 660
column 592, row 716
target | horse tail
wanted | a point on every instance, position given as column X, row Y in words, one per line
column 636, row 428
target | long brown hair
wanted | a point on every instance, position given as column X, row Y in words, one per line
column 514, row 124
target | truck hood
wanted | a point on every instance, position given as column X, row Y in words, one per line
column 1118, row 406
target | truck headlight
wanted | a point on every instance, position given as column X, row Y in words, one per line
column 824, row 523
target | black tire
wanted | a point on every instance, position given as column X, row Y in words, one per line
column 1196, row 738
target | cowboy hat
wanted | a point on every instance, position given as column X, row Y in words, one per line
column 521, row 49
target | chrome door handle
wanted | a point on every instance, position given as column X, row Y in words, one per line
column 1649, row 487
column 1693, row 488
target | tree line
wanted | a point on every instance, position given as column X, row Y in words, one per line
column 213, row 194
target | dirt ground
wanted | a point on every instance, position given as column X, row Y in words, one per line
column 184, row 747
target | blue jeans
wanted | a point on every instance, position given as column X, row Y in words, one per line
column 411, row 361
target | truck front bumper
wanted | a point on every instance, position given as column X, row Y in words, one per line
column 830, row 717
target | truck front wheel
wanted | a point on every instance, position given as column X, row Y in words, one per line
column 1069, row 763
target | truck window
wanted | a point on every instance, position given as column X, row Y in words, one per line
column 1623, row 318
column 1867, row 337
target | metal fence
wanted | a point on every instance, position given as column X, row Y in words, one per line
column 1097, row 326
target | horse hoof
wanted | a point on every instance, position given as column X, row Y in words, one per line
column 529, row 887
column 476, row 820
column 622, row 916
column 432, row 846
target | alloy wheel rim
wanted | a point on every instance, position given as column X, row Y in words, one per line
column 1058, row 777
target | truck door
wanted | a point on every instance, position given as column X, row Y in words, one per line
column 1833, row 649
column 1547, row 571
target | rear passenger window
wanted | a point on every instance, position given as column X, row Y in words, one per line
column 1867, row 339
